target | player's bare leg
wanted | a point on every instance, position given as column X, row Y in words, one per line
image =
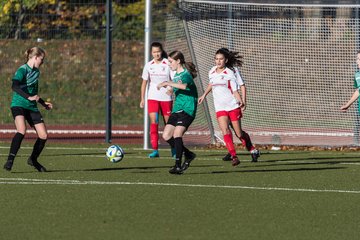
column 223, row 122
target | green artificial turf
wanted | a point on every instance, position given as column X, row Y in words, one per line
column 286, row 195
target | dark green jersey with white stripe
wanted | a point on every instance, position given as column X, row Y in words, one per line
column 29, row 81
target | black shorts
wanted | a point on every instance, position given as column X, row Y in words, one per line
column 180, row 119
column 30, row 116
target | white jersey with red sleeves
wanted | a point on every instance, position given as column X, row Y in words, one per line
column 156, row 73
column 223, row 85
column 239, row 79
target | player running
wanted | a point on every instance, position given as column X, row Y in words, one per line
column 24, row 108
column 155, row 72
column 228, row 103
column 184, row 109
column 242, row 90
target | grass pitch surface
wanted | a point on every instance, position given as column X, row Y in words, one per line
column 286, row 195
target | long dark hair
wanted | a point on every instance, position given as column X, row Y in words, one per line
column 233, row 58
column 177, row 55
column 159, row 45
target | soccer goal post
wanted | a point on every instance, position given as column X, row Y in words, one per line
column 299, row 63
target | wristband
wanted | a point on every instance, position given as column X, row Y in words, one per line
column 42, row 102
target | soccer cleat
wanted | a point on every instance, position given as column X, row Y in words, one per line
column 235, row 161
column 8, row 165
column 154, row 154
column 176, row 170
column 188, row 159
column 227, row 157
column 255, row 154
column 173, row 153
column 36, row 165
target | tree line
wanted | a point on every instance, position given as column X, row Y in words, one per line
column 51, row 19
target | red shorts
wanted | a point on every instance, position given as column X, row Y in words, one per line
column 164, row 106
column 234, row 115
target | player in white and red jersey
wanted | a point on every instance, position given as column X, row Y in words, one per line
column 223, row 85
column 155, row 72
column 242, row 91
column 228, row 102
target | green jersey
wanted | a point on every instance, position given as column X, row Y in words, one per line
column 29, row 79
column 185, row 100
column 357, row 84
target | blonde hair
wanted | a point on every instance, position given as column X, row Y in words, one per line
column 34, row 51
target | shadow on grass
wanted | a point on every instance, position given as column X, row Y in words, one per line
column 137, row 168
column 79, row 154
column 280, row 163
column 112, row 169
column 239, row 170
column 243, row 153
column 315, row 158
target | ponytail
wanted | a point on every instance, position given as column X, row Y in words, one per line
column 191, row 68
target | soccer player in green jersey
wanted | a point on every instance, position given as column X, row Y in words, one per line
column 184, row 108
column 356, row 85
column 24, row 107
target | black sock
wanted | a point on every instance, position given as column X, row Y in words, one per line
column 15, row 145
column 186, row 151
column 179, row 149
column 178, row 163
column 38, row 147
column 171, row 142
column 246, row 138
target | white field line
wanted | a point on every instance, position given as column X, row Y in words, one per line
column 19, row 181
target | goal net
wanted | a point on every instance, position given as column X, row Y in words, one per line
column 299, row 63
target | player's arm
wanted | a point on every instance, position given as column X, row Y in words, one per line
column 243, row 96
column 145, row 77
column 143, row 89
column 207, row 91
column 351, row 101
column 169, row 90
column 182, row 86
column 16, row 87
column 238, row 98
column 46, row 105
column 242, row 88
